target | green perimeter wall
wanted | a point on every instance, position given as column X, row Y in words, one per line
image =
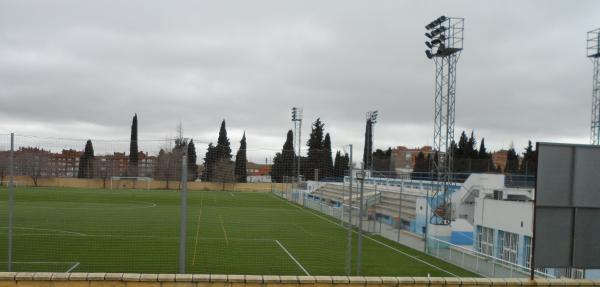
column 100, row 183
column 43, row 279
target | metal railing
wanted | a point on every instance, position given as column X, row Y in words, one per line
column 477, row 262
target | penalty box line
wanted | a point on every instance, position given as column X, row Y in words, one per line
column 292, row 257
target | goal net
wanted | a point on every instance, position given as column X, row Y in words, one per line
column 130, row 182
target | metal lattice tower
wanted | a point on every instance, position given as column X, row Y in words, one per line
column 593, row 52
column 444, row 47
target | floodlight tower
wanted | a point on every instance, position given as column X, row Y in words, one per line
column 593, row 52
column 444, row 45
column 297, row 119
column 371, row 120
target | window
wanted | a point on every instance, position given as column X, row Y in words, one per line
column 485, row 240
column 509, row 245
column 527, row 250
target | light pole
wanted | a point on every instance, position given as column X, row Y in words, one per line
column 371, row 121
column 297, row 119
column 593, row 52
column 444, row 45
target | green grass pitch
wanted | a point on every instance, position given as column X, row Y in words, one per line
column 98, row 230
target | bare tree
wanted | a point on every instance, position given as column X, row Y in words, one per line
column 33, row 162
column 224, row 171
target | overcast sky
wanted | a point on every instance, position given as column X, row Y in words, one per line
column 81, row 69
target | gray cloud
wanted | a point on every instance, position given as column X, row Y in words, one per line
column 70, row 69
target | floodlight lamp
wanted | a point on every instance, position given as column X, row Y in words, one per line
column 428, row 53
column 435, row 42
column 429, row 35
column 429, row 45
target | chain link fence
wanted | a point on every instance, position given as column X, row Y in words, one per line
column 177, row 205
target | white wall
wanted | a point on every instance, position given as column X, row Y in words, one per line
column 510, row 216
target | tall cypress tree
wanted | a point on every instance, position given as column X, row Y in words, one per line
column 133, row 149
column 327, row 161
column 315, row 152
column 529, row 164
column 191, row 161
column 223, row 149
column 240, row 161
column 210, row 158
column 336, row 164
column 340, row 165
column 276, row 174
column 482, row 159
column 86, row 162
column 512, row 161
column 283, row 162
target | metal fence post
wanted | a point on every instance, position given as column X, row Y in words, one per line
column 360, row 220
column 183, row 215
column 11, row 191
column 400, row 209
column 349, row 256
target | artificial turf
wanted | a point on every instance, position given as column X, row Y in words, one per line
column 99, row 230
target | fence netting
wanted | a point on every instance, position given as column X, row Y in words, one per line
column 111, row 206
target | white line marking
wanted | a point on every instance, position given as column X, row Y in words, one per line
column 224, row 231
column 49, row 229
column 303, row 229
column 73, row 267
column 197, row 233
column 291, row 256
column 370, row 238
column 75, row 264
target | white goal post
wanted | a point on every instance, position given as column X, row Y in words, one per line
column 118, row 182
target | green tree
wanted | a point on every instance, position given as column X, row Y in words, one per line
column 421, row 166
column 484, row 161
column 283, row 162
column 240, row 161
column 512, row 161
column 327, row 161
column 341, row 164
column 133, row 148
column 223, row 149
column 529, row 164
column 210, row 158
column 315, row 152
column 191, row 161
column 86, row 162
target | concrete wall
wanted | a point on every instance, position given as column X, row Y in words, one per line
column 154, row 184
column 43, row 279
column 510, row 216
